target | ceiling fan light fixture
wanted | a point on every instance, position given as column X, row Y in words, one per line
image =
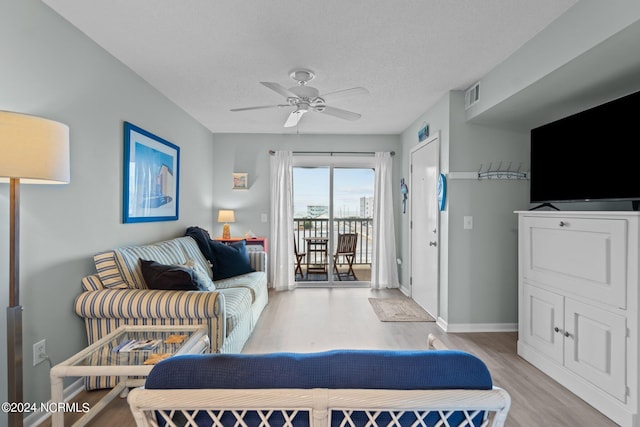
column 302, row 76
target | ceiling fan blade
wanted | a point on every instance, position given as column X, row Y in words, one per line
column 339, row 112
column 280, row 89
column 294, row 118
column 260, row 107
column 345, row 92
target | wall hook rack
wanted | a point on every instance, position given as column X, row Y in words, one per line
column 502, row 173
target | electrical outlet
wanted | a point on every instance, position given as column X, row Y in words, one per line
column 39, row 352
column 263, row 217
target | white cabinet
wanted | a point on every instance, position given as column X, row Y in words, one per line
column 543, row 322
column 595, row 346
column 582, row 255
column 578, row 304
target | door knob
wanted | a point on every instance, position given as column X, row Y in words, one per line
column 433, row 244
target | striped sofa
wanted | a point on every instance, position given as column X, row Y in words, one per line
column 117, row 295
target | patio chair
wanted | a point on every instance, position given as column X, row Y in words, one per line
column 299, row 257
column 346, row 248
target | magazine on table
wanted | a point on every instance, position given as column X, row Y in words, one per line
column 136, row 345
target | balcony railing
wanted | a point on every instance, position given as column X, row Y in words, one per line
column 320, row 227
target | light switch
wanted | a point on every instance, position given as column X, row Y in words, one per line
column 263, row 217
column 468, row 222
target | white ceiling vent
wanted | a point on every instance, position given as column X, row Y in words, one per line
column 472, row 95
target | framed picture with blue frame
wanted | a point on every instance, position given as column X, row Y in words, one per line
column 151, row 177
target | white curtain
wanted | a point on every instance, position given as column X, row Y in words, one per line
column 282, row 253
column 384, row 272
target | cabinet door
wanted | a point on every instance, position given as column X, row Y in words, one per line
column 595, row 347
column 543, row 321
column 584, row 256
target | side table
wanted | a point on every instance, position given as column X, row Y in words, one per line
column 253, row 241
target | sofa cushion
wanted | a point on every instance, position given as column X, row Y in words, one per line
column 109, row 270
column 237, row 302
column 168, row 252
column 335, row 369
column 230, row 260
column 255, row 282
column 92, row 283
column 202, row 239
column 192, row 251
column 168, row 277
column 120, row 268
column 200, row 276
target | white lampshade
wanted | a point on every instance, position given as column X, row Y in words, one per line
column 226, row 216
column 33, row 149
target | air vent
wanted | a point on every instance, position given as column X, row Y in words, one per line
column 472, row 95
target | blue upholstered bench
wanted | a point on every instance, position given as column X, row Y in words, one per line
column 340, row 387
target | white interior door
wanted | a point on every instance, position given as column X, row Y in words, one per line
column 423, row 197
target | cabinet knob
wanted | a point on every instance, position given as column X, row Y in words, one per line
column 567, row 334
column 556, row 329
column 433, row 244
column 563, row 224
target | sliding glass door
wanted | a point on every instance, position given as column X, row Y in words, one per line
column 333, row 216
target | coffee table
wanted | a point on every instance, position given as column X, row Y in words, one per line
column 100, row 359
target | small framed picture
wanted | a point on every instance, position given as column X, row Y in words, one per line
column 240, row 181
column 151, row 176
column 423, row 133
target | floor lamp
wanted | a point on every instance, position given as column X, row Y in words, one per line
column 33, row 150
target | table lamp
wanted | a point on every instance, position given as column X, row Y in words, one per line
column 226, row 216
column 33, row 150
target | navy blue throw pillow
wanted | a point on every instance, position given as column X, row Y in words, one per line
column 167, row 277
column 230, row 260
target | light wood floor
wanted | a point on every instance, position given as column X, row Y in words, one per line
column 310, row 319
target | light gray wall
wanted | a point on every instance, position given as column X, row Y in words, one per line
column 250, row 153
column 478, row 267
column 483, row 276
column 584, row 26
column 52, row 70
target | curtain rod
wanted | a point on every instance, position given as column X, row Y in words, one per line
column 331, row 153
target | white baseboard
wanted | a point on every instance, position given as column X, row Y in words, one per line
column 473, row 327
column 476, row 327
column 441, row 323
column 38, row 417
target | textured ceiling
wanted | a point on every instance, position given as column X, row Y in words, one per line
column 208, row 56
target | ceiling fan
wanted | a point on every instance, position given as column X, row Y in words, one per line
column 305, row 98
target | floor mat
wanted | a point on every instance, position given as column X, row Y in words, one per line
column 399, row 310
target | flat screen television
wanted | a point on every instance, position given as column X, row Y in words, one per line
column 589, row 156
